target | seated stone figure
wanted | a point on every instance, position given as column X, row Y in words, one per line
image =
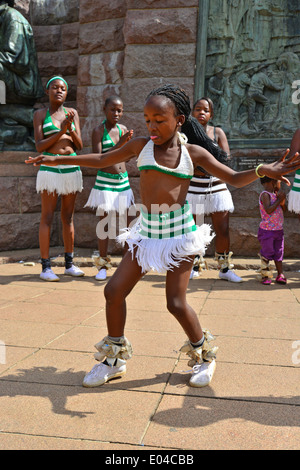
column 20, row 76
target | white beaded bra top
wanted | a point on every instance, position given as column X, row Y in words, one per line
column 185, row 169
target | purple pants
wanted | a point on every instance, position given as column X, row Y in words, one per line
column 272, row 244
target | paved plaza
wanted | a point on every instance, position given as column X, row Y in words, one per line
column 46, row 346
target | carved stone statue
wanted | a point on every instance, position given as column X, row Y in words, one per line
column 252, row 61
column 20, row 76
column 259, row 82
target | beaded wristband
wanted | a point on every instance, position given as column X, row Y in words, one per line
column 256, row 171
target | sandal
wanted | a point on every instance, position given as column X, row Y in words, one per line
column 280, row 279
column 266, row 281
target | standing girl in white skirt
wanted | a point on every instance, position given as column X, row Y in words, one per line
column 57, row 132
column 208, row 195
column 294, row 194
column 112, row 192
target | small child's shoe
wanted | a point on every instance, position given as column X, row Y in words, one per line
column 266, row 281
column 280, row 279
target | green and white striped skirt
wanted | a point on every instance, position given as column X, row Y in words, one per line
column 111, row 192
column 161, row 241
column 60, row 179
column 294, row 195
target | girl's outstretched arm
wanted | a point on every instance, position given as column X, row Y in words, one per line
column 94, row 160
column 274, row 170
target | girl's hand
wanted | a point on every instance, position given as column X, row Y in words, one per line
column 282, row 167
column 281, row 196
column 126, row 137
column 67, row 123
column 41, row 160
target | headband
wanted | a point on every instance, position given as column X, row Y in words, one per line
column 56, row 78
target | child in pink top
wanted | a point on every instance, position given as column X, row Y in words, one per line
column 270, row 232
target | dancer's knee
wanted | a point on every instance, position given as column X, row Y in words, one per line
column 113, row 292
column 110, row 291
column 176, row 306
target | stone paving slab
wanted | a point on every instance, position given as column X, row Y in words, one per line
column 223, row 424
column 48, row 332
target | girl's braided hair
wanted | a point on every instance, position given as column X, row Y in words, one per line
column 191, row 127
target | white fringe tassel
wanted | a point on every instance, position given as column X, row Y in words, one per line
column 294, row 201
column 163, row 255
column 64, row 183
column 110, row 200
column 210, row 203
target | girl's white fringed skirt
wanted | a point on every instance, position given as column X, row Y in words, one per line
column 60, row 179
column 111, row 192
column 207, row 195
column 161, row 241
column 294, row 195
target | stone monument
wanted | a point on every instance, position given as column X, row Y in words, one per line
column 249, row 64
column 20, row 81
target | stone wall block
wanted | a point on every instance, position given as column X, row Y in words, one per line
column 148, row 4
column 291, row 238
column 166, row 61
column 243, row 236
column 69, row 36
column 161, row 26
column 17, row 170
column 47, row 38
column 62, row 62
column 101, row 10
column 135, row 121
column 245, row 200
column 85, row 230
column 56, row 37
column 102, row 36
column 30, row 200
column 9, row 188
column 51, row 12
column 19, row 231
column 90, row 100
column 134, row 91
column 101, row 69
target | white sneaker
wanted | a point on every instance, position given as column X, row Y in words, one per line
column 101, row 275
column 230, row 276
column 74, row 271
column 102, row 373
column 202, row 374
column 48, row 275
column 194, row 274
